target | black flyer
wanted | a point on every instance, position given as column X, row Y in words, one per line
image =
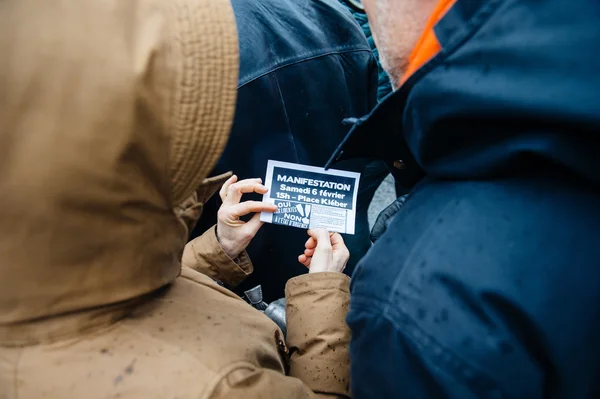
column 311, row 197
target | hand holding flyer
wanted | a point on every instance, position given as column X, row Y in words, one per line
column 311, row 197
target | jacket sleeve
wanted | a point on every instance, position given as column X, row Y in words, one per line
column 467, row 355
column 317, row 334
column 385, row 363
column 205, row 255
column 318, row 340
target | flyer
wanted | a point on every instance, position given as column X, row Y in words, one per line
column 311, row 197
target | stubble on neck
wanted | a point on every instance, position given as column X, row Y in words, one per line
column 397, row 27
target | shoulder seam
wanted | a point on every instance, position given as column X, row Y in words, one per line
column 298, row 60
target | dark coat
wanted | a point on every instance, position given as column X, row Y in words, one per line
column 305, row 65
column 487, row 281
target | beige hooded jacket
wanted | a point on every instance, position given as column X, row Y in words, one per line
column 112, row 112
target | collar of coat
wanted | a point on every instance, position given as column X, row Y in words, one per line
column 503, row 95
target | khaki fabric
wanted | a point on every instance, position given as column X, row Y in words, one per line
column 206, row 256
column 111, row 114
column 172, row 347
column 190, row 210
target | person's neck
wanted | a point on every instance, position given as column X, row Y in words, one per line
column 427, row 46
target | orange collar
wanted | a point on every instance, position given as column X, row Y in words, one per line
column 428, row 45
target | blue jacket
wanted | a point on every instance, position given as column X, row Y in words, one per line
column 305, row 65
column 487, row 281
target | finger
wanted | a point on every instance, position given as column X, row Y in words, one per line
column 225, row 186
column 311, row 243
column 340, row 251
column 304, row 260
column 252, row 180
column 309, row 252
column 337, row 241
column 247, row 207
column 235, row 191
column 253, row 225
column 322, row 238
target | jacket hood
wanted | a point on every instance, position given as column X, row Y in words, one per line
column 111, row 114
column 515, row 87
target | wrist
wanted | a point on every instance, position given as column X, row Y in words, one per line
column 227, row 246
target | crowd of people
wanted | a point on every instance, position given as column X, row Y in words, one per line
column 134, row 137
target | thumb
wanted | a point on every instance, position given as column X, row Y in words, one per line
column 321, row 236
column 340, row 251
column 253, row 225
column 337, row 242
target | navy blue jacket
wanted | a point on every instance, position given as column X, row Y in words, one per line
column 487, row 281
column 305, row 65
